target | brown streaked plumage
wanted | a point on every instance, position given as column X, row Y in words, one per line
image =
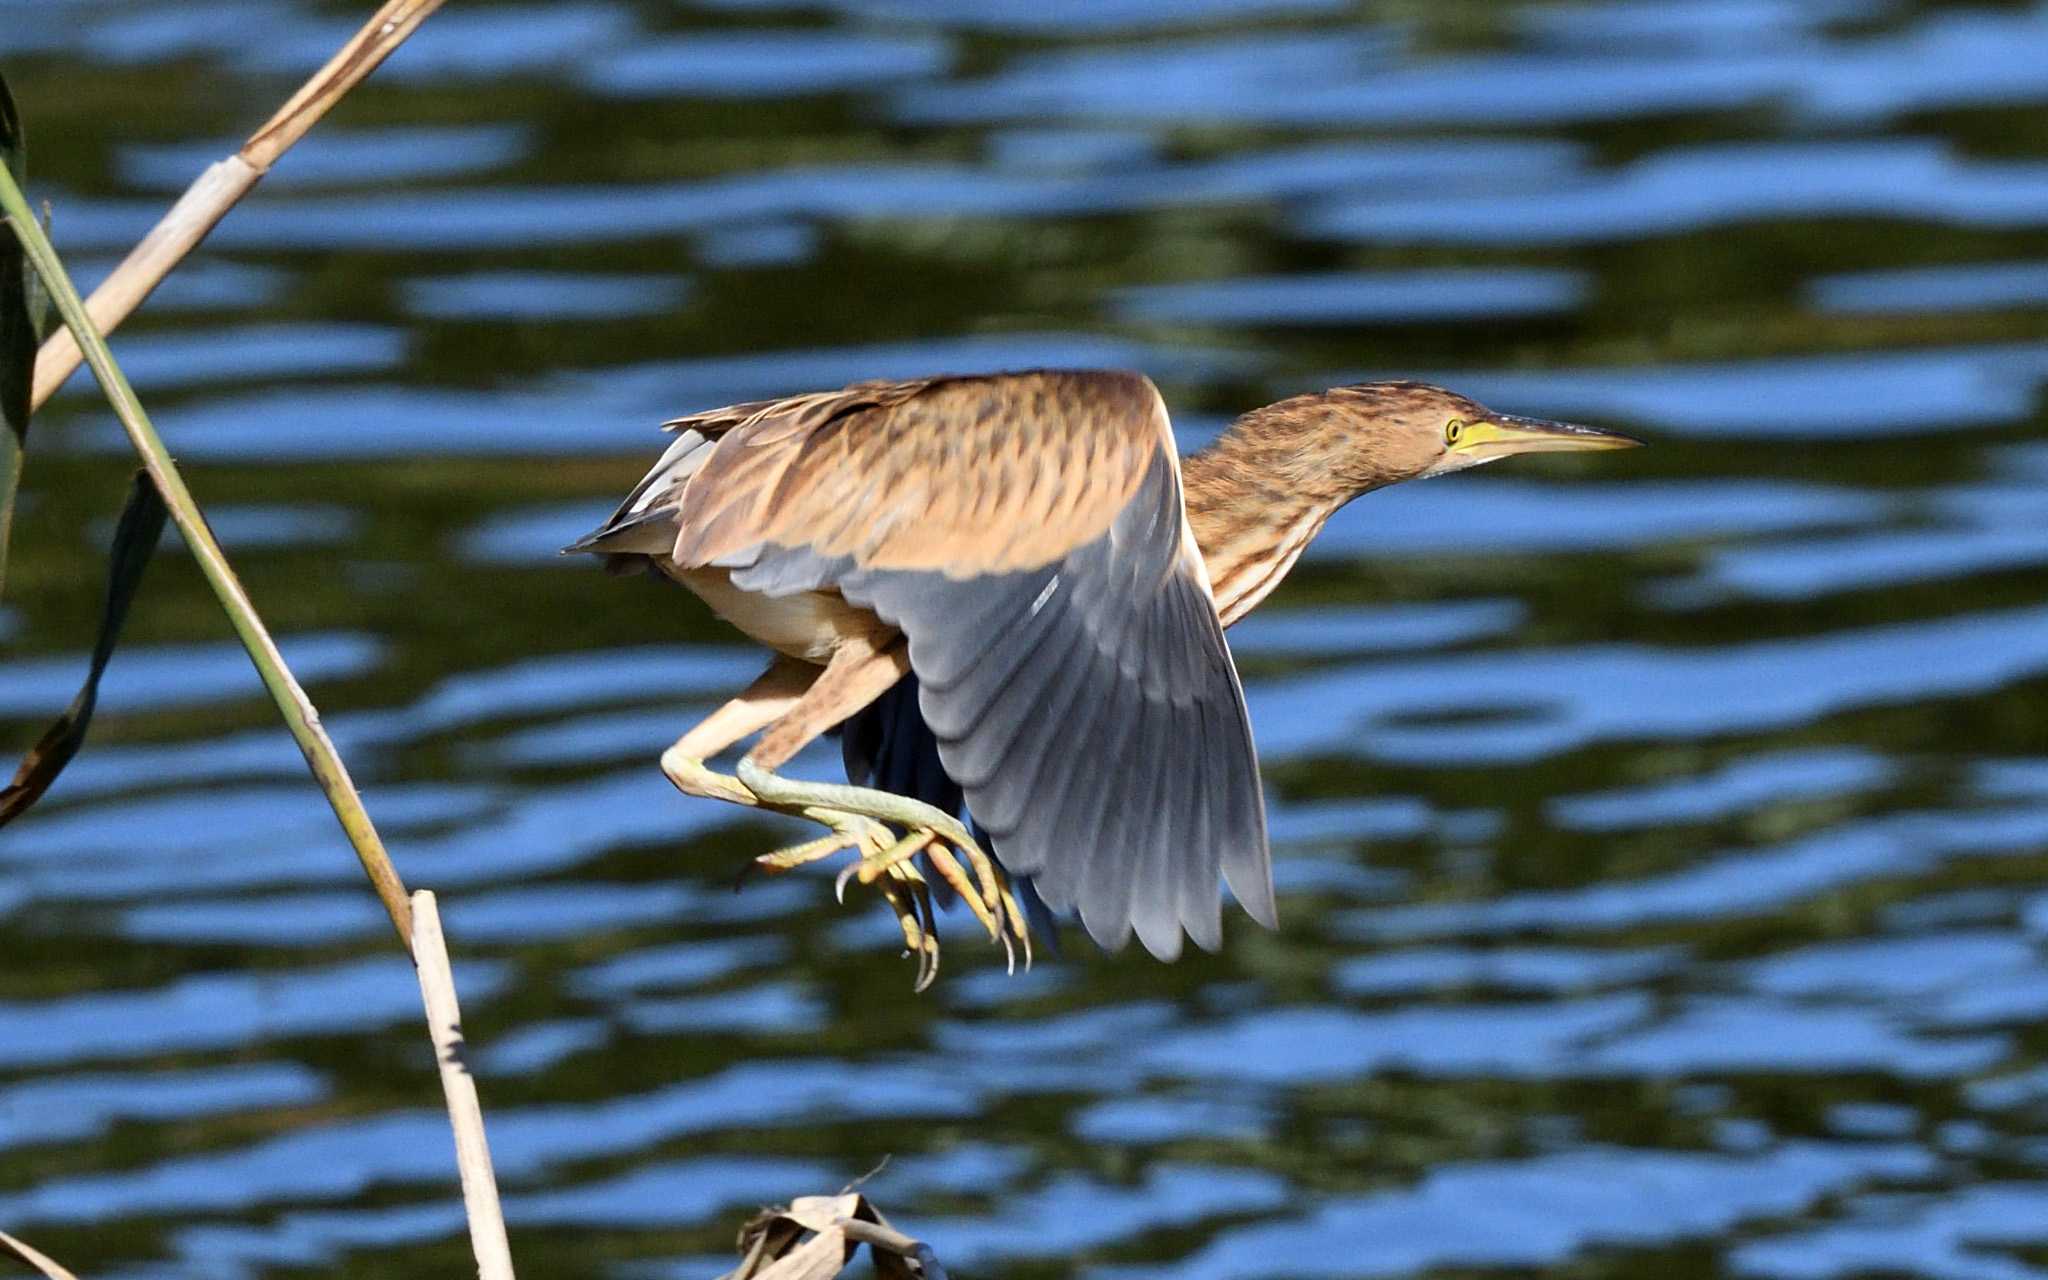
column 962, row 476
column 1016, row 550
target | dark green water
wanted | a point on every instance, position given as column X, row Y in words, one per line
column 1662, row 837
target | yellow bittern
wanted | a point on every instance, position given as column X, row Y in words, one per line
column 1006, row 561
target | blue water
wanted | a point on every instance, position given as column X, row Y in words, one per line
column 1662, row 838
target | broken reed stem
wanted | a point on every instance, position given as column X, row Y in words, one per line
column 34, row 1257
column 224, row 183
column 299, row 714
column 465, row 1113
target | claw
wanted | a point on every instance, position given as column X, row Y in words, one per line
column 949, row 870
column 906, row 919
column 985, row 871
column 912, row 916
column 921, row 896
column 1022, row 927
column 868, row 820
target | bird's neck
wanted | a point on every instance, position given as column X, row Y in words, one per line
column 1254, row 504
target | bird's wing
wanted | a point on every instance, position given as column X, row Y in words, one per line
column 1025, row 532
column 968, row 475
column 645, row 523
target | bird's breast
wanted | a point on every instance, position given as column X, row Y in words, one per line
column 1244, row 570
column 808, row 625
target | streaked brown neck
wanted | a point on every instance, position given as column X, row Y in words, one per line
column 1259, row 494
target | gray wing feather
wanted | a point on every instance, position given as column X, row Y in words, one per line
column 1091, row 712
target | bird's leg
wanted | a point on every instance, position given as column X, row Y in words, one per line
column 795, row 702
column 772, row 695
column 858, row 673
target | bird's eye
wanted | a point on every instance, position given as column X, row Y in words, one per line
column 1454, row 430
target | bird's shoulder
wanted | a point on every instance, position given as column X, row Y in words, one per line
column 963, row 474
column 1028, row 406
column 803, row 411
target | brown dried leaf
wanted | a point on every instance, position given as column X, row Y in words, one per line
column 819, row 1258
column 822, row 1213
column 837, row 1227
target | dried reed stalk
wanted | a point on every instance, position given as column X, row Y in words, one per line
column 34, row 1257
column 225, row 182
column 465, row 1112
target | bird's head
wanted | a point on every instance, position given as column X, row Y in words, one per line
column 1362, row 437
column 1407, row 430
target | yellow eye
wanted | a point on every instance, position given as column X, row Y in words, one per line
column 1454, row 430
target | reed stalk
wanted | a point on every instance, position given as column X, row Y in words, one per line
column 34, row 1257
column 417, row 920
column 465, row 1111
column 224, row 183
column 298, row 711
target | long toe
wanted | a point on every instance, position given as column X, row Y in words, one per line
column 950, row 871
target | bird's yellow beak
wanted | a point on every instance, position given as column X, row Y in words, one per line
column 1504, row 433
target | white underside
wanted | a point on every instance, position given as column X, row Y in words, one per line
column 809, row 625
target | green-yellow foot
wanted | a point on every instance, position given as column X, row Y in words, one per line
column 862, row 818
column 903, row 887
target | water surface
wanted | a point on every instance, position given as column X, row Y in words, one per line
column 1662, row 837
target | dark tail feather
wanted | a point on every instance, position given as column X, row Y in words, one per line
column 887, row 745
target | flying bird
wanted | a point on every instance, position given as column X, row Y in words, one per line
column 1015, row 590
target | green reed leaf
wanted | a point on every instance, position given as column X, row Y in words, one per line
column 18, row 333
column 135, row 539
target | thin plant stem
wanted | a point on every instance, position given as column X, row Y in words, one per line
column 465, row 1112
column 225, row 182
column 34, row 1257
column 298, row 711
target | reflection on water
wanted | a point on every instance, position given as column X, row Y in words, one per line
column 1661, row 839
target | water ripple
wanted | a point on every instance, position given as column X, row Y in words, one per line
column 1546, row 1211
